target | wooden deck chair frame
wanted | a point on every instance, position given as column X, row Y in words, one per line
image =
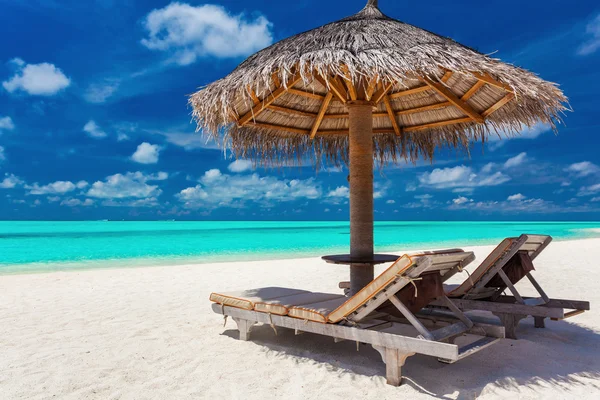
column 512, row 309
column 367, row 325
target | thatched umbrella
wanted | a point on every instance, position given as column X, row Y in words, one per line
column 363, row 89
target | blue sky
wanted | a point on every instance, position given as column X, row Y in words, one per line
column 94, row 122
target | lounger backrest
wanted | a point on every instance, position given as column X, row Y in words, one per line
column 406, row 266
column 403, row 265
column 497, row 259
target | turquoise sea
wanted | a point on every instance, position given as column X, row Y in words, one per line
column 28, row 246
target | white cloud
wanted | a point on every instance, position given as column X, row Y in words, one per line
column 592, row 42
column 100, row 92
column 461, row 200
column 583, row 168
column 589, row 190
column 594, row 199
column 217, row 189
column 515, row 206
column 461, row 177
column 146, row 153
column 340, row 191
column 391, row 202
column 129, row 185
column 240, row 166
column 2, row 156
column 516, row 197
column 93, row 130
column 189, row 141
column 516, row 160
column 6, row 124
column 497, row 141
column 77, row 202
column 58, row 187
column 37, row 79
column 10, row 181
column 188, row 33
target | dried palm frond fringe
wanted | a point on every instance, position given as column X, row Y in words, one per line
column 365, row 46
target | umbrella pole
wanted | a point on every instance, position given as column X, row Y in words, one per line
column 361, row 191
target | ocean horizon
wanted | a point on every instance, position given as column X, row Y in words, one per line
column 44, row 246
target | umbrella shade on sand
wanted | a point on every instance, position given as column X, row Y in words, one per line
column 368, row 89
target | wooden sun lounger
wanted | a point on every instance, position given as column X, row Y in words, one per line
column 360, row 318
column 484, row 288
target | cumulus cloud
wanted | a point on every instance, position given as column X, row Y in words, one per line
column 391, row 202
column 340, row 191
column 10, row 181
column 461, row 177
column 423, row 201
column 589, row 190
column 58, row 187
column 217, row 189
column 583, row 169
column 43, row 79
column 93, row 130
column 240, row 166
column 100, row 92
column 190, row 32
column 461, row 200
column 592, row 41
column 533, row 132
column 514, row 206
column 6, row 124
column 146, row 153
column 77, row 202
column 129, row 185
column 516, row 197
column 516, row 160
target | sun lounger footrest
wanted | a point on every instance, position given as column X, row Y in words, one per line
column 471, row 348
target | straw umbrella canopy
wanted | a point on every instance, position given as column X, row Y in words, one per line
column 368, row 89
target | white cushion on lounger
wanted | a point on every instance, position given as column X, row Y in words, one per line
column 317, row 312
column 280, row 305
column 245, row 299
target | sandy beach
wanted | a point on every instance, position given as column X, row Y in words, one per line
column 144, row 333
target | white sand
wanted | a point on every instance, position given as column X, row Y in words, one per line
column 150, row 333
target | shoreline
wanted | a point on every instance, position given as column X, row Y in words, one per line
column 142, row 263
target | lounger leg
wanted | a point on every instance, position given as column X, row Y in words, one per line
column 244, row 327
column 394, row 360
column 539, row 322
column 510, row 322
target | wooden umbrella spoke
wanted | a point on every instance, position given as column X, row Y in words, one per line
column 391, row 114
column 471, row 92
column 322, row 111
column 408, row 92
column 268, row 100
column 333, row 86
column 349, row 84
column 289, row 110
column 253, row 95
column 429, row 107
column 381, row 92
column 304, row 93
column 506, row 99
column 451, row 97
column 491, row 81
column 371, row 88
column 447, row 76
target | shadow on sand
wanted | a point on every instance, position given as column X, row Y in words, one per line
column 563, row 354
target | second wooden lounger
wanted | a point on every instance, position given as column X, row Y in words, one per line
column 507, row 264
